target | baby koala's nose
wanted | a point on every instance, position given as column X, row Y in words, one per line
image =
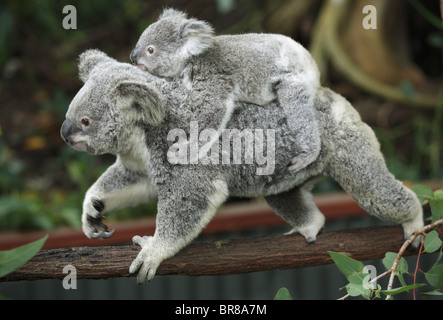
column 133, row 56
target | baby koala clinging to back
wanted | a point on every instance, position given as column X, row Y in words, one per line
column 254, row 68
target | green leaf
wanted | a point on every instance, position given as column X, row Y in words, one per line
column 402, row 289
column 377, row 292
column 283, row 294
column 432, row 242
column 388, row 261
column 435, row 276
column 438, row 194
column 15, row 258
column 435, row 292
column 346, row 265
column 358, row 277
column 359, row 284
column 423, row 192
column 355, row 290
column 440, row 255
column 436, row 209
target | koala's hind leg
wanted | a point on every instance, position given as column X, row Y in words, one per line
column 297, row 208
column 359, row 167
column 296, row 96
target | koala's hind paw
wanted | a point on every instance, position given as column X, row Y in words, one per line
column 410, row 227
column 311, row 229
column 147, row 260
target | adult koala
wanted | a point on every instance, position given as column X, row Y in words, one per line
column 127, row 112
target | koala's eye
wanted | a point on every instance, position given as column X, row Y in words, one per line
column 85, row 122
column 150, row 50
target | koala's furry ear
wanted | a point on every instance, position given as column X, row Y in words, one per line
column 88, row 60
column 172, row 13
column 198, row 36
column 140, row 102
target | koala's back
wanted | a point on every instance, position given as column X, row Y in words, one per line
column 339, row 125
column 269, row 52
column 256, row 62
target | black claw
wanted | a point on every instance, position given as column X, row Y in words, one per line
column 98, row 204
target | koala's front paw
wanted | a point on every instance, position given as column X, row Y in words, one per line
column 92, row 224
column 148, row 259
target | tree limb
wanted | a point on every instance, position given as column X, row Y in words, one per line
column 218, row 258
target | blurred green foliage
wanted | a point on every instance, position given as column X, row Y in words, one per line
column 39, row 55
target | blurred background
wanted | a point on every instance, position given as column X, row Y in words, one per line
column 392, row 75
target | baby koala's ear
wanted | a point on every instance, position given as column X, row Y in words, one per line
column 140, row 102
column 88, row 60
column 198, row 36
column 172, row 13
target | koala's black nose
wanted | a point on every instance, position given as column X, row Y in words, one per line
column 65, row 130
column 133, row 56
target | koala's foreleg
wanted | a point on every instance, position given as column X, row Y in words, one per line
column 296, row 96
column 181, row 216
column 117, row 188
column 297, row 208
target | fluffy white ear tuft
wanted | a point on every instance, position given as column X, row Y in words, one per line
column 198, row 35
column 88, row 60
column 171, row 13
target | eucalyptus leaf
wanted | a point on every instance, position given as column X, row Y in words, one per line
column 436, row 209
column 355, row 290
column 283, row 294
column 423, row 192
column 361, row 278
column 440, row 255
column 388, row 261
column 15, row 258
column 435, row 292
column 346, row 265
column 435, row 276
column 391, row 292
column 432, row 242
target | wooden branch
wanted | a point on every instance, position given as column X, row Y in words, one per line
column 218, row 258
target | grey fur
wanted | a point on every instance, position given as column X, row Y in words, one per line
column 253, row 68
column 189, row 195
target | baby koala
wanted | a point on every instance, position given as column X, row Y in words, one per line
column 253, row 68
